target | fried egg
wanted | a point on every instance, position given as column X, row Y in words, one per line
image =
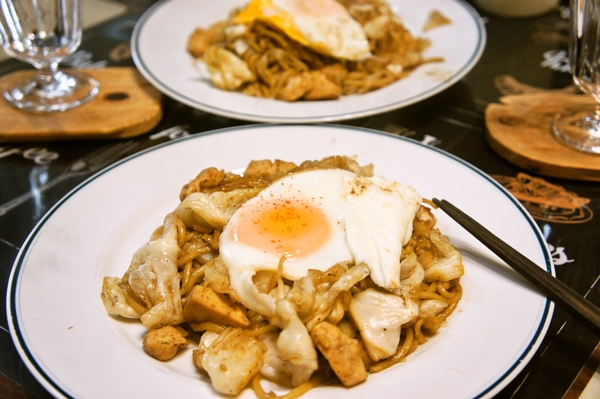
column 323, row 25
column 314, row 220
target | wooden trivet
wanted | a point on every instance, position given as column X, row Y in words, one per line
column 126, row 105
column 519, row 129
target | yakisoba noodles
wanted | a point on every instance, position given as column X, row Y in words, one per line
column 380, row 279
column 255, row 53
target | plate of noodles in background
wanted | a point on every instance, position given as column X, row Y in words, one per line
column 453, row 45
column 75, row 349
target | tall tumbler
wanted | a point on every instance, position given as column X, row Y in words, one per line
column 42, row 33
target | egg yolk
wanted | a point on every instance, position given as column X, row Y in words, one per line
column 290, row 227
column 264, row 10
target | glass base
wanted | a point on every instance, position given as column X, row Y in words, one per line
column 50, row 93
column 579, row 128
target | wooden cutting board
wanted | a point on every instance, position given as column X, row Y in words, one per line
column 519, row 129
column 126, row 105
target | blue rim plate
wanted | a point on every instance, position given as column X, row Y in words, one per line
column 159, row 51
column 70, row 344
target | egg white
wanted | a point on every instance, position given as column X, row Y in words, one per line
column 323, row 25
column 370, row 219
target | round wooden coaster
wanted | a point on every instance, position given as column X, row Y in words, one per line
column 519, row 129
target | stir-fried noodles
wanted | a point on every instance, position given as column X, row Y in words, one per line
column 261, row 60
column 181, row 290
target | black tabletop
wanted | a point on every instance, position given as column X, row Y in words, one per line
column 521, row 54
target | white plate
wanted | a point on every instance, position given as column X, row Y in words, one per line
column 65, row 337
column 159, row 51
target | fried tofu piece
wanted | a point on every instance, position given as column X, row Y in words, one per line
column 342, row 352
column 164, row 343
column 322, row 88
column 205, row 305
column 335, row 72
column 201, row 39
column 208, row 178
column 296, row 87
column 313, row 85
column 268, row 169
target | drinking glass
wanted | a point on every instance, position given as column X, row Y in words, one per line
column 42, row 33
column 579, row 126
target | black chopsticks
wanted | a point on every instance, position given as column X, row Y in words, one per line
column 557, row 291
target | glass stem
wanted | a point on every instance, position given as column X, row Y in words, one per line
column 52, row 82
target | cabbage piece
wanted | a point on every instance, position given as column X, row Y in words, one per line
column 114, row 300
column 206, row 212
column 206, row 340
column 431, row 307
column 249, row 295
column 450, row 266
column 232, row 360
column 325, row 300
column 294, row 343
column 275, row 368
column 227, row 70
column 302, row 295
column 153, row 277
column 216, row 276
column 379, row 317
column 411, row 273
column 375, row 27
column 201, row 212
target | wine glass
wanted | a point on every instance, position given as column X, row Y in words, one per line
column 579, row 126
column 42, row 33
